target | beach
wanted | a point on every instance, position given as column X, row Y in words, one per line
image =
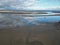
column 45, row 33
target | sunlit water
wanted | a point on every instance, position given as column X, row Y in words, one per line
column 17, row 20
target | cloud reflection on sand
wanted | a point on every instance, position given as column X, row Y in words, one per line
column 13, row 20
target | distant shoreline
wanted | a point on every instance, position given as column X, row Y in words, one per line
column 21, row 12
column 29, row 12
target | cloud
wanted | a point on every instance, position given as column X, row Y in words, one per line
column 17, row 4
column 27, row 4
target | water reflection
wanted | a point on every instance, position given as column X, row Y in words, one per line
column 17, row 20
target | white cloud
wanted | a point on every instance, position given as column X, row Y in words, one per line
column 18, row 4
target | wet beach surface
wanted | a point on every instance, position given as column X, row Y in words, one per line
column 47, row 34
column 17, row 30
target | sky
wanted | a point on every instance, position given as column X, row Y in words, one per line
column 29, row 4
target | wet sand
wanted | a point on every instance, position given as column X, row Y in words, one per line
column 47, row 34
